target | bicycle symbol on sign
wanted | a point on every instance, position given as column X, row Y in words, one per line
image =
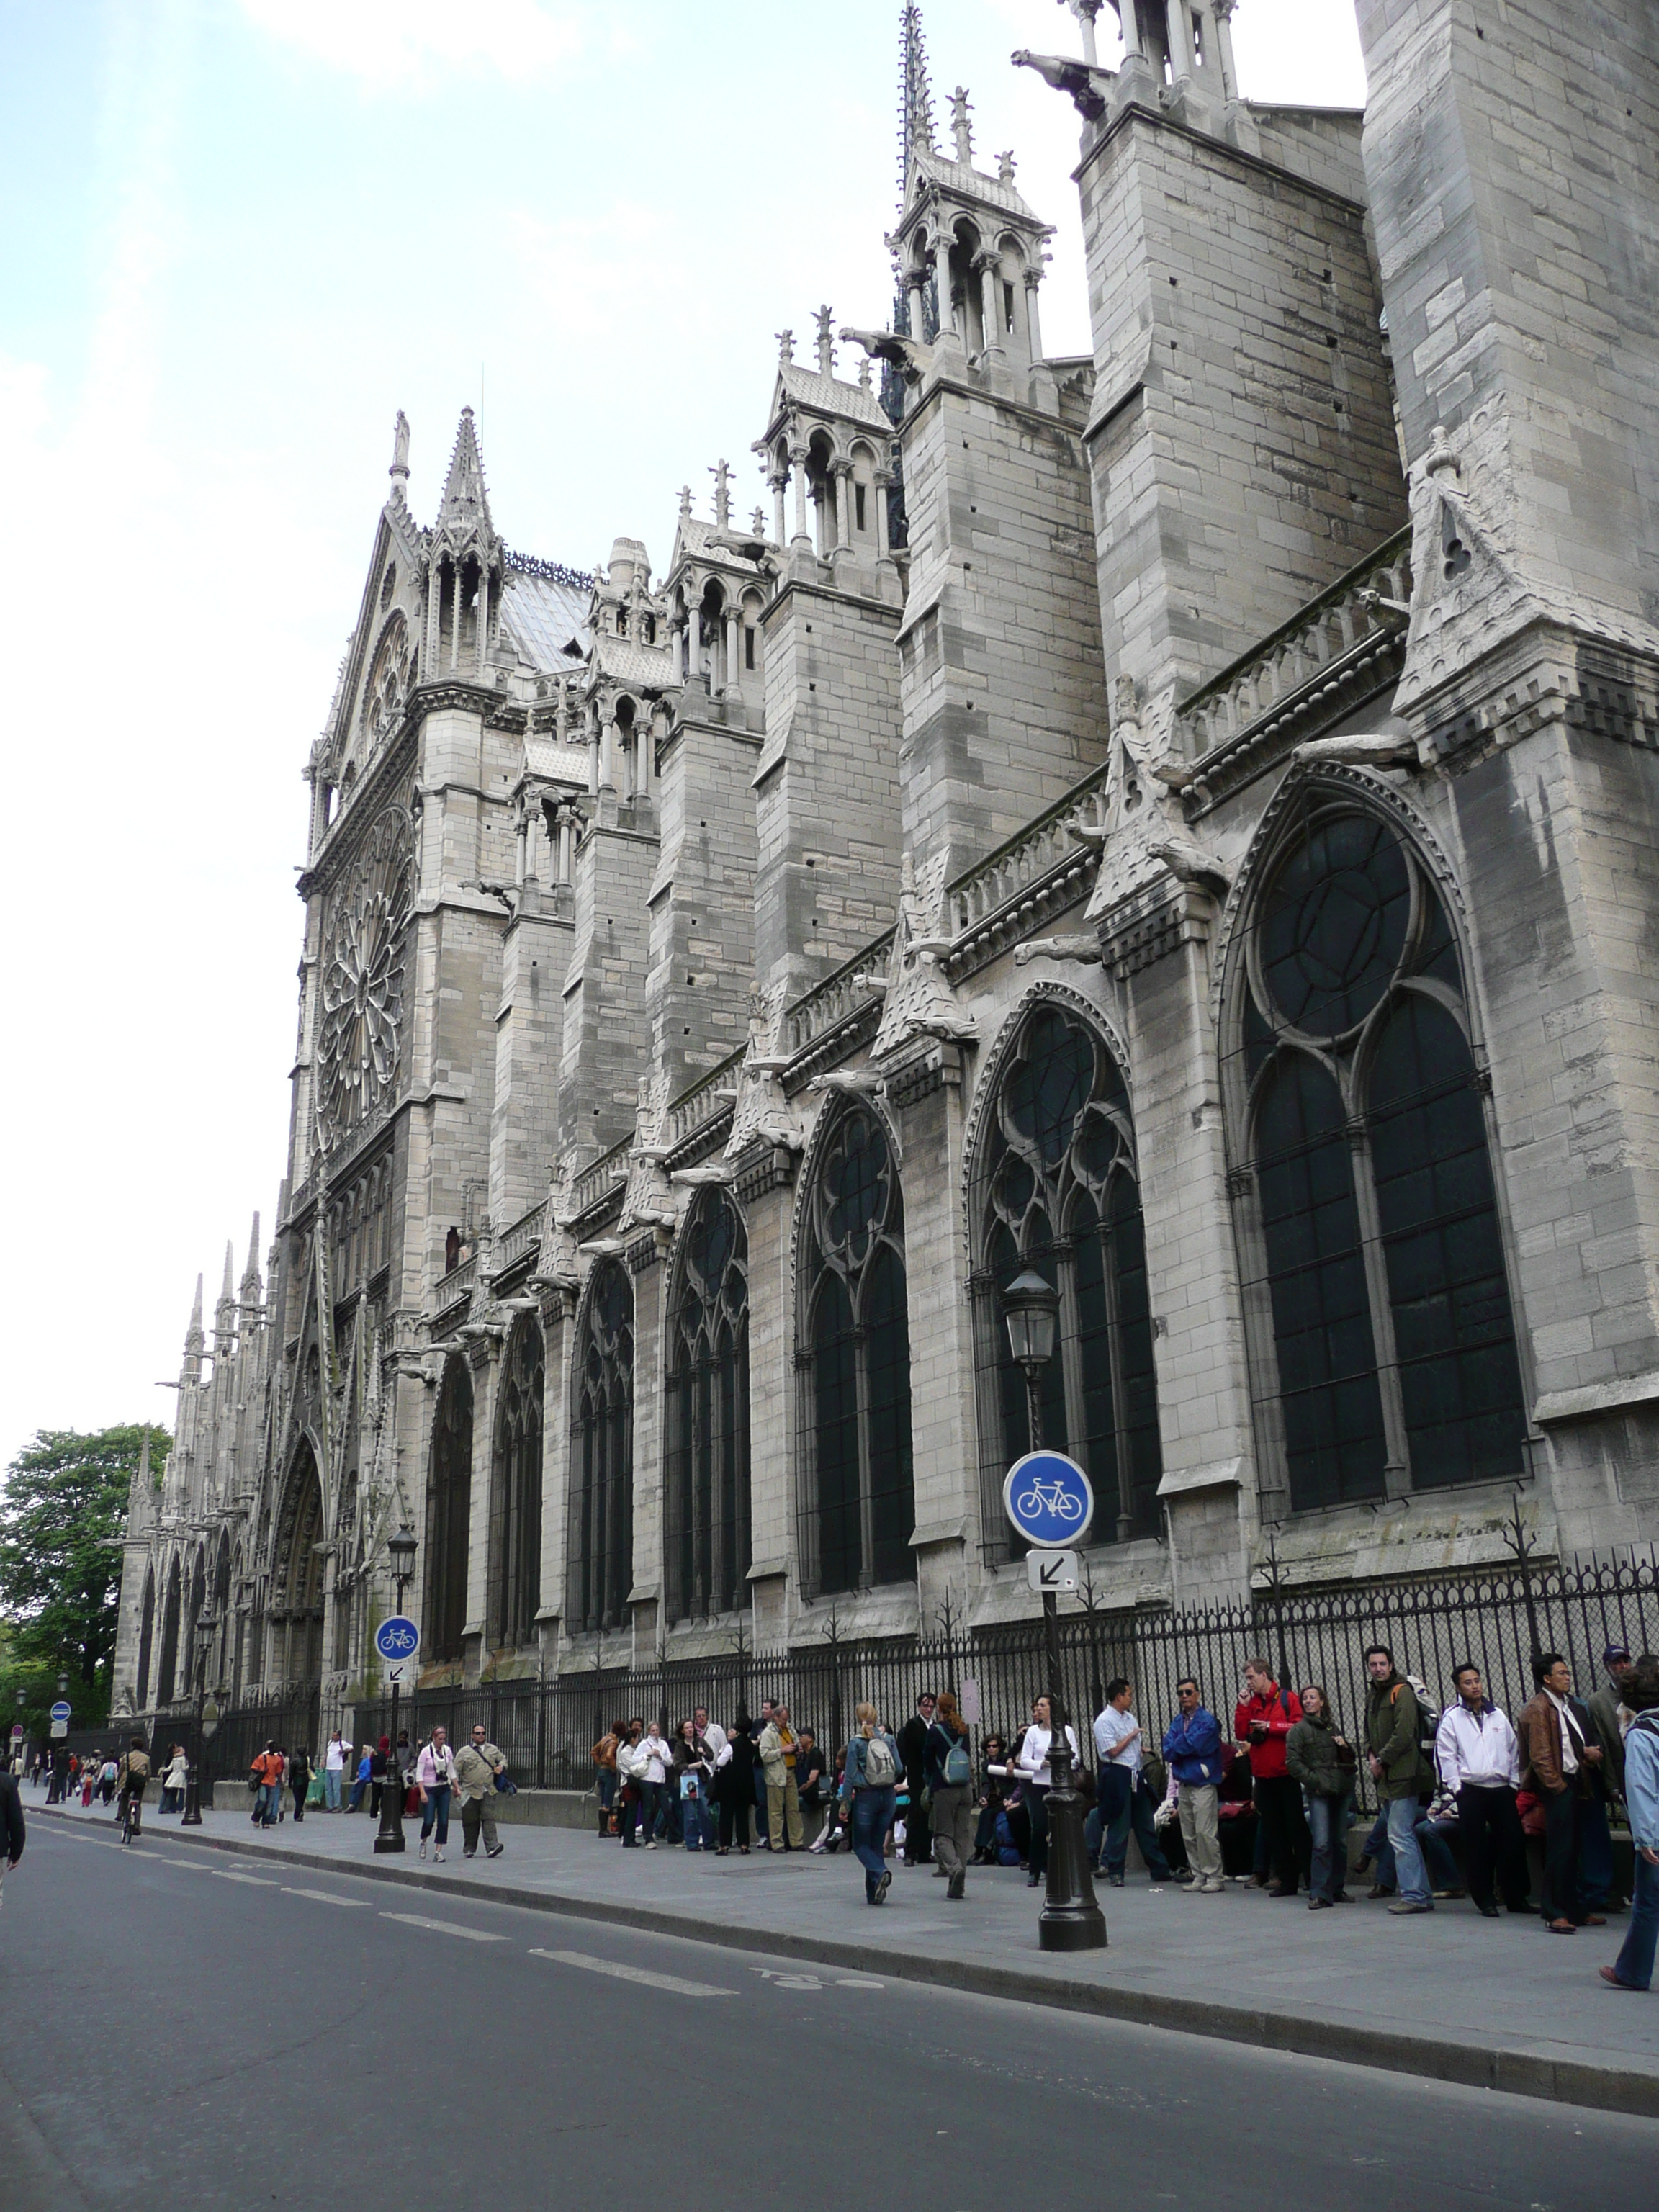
column 1050, row 1497
column 397, row 1643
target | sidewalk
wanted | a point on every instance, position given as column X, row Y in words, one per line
column 1495, row 2004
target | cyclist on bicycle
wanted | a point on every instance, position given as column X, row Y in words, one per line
column 131, row 1776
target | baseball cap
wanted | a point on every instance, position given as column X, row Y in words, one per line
column 1615, row 1653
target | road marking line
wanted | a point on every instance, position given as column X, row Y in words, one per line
column 326, row 1896
column 673, row 1982
column 252, row 1880
column 445, row 1927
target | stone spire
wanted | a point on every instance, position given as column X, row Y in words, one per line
column 251, row 1285
column 195, row 1341
column 825, row 319
column 398, row 472
column 961, row 129
column 915, row 94
column 721, row 473
column 224, row 1314
column 464, row 500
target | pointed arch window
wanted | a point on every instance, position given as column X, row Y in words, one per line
column 602, row 1454
column 1376, row 1290
column 1057, row 1192
column 449, row 1513
column 707, row 1459
column 854, row 1367
column 516, row 1538
column 146, row 1637
column 167, row 1667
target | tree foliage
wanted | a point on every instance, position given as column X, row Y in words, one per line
column 63, row 1514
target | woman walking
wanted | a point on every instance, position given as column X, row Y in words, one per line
column 175, row 1776
column 949, row 1777
column 1037, row 1779
column 1319, row 1758
column 734, row 1786
column 434, row 1777
column 871, row 1785
column 298, row 1777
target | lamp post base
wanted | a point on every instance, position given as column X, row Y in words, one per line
column 1071, row 1919
column 391, row 1835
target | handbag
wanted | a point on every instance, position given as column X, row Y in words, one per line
column 412, row 1800
column 506, row 1786
column 314, row 1794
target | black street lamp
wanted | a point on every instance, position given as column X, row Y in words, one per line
column 206, row 1622
column 1071, row 1919
column 402, row 1548
column 57, row 1787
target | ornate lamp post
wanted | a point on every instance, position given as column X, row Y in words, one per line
column 402, row 1548
column 206, row 1622
column 1071, row 1920
column 60, row 1754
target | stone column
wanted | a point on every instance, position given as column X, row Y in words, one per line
column 947, row 317
column 522, row 827
column 455, row 621
column 841, row 469
column 435, row 600
column 733, row 648
column 990, row 269
column 883, row 485
column 1129, row 12
column 1224, row 48
column 483, row 619
column 1181, row 39
column 798, row 467
column 692, row 643
column 1033, row 325
column 608, row 745
column 915, row 285
column 776, row 484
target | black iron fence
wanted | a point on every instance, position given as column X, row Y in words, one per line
column 288, row 1717
column 1496, row 1617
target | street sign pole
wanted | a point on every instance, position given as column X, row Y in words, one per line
column 1048, row 1500
column 397, row 1640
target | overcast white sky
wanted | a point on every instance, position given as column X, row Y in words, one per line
column 236, row 236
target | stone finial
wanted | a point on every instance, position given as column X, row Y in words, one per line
column 825, row 321
column 685, row 502
column 961, row 129
column 864, row 373
column 721, row 473
column 757, row 522
column 1006, row 168
column 786, row 348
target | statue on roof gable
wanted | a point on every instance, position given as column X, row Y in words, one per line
column 762, row 1113
column 918, row 1000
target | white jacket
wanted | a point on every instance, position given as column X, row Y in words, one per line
column 1479, row 1748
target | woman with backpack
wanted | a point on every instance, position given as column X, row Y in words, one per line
column 949, row 1775
column 870, row 1786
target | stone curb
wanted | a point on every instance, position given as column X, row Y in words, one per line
column 1516, row 2073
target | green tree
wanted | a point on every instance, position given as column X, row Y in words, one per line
column 63, row 1514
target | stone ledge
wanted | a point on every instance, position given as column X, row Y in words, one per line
column 1597, row 1398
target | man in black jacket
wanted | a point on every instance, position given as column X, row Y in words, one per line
column 913, row 1750
column 11, row 1823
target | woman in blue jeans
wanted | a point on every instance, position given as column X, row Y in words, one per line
column 871, row 1782
column 1320, row 1758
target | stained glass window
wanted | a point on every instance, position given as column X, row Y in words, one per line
column 708, row 1488
column 516, row 1539
column 1060, row 1196
column 860, row 1504
column 1370, row 1223
column 601, row 1459
column 449, row 1513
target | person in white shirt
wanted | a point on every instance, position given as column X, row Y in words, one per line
column 654, row 1758
column 711, row 1732
column 1479, row 1761
column 1124, row 1801
column 1032, row 1764
column 334, row 1760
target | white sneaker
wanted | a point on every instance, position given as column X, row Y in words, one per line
column 438, row 1858
column 422, row 1850
column 652, row 1846
column 1212, row 1889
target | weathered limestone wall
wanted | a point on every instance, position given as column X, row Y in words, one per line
column 703, row 902
column 1004, row 687
column 1242, row 434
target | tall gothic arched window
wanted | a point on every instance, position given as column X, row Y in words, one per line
column 167, row 1668
column 146, row 1637
column 708, row 1458
column 1057, row 1192
column 449, row 1513
column 516, row 1537
column 602, row 1454
column 1372, row 1256
column 854, row 1362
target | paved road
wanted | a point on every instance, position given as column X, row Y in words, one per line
column 189, row 2032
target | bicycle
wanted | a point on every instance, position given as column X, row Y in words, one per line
column 132, row 1809
column 1050, row 1497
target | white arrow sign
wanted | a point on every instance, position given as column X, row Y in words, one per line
column 1052, row 1570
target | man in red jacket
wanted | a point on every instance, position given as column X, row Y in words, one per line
column 1263, row 1720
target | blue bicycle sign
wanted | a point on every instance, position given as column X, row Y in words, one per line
column 1048, row 1498
column 396, row 1637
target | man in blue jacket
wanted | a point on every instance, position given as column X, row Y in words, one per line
column 1192, row 1748
column 1634, row 1969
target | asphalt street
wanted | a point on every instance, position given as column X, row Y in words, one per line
column 182, row 2031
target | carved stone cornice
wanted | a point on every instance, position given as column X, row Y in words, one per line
column 1152, row 924
column 1332, row 694
column 762, row 1168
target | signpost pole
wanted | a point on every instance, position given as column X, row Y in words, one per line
column 1071, row 1920
column 402, row 1548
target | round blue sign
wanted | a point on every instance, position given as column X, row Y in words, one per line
column 60, row 1711
column 1048, row 1498
column 396, row 1637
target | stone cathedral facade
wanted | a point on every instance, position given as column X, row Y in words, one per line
column 1181, row 819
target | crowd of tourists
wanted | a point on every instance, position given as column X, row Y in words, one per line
column 1472, row 1803
column 1468, row 1798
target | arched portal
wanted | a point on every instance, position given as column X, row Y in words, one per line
column 146, row 1636
column 296, row 1610
column 449, row 1514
